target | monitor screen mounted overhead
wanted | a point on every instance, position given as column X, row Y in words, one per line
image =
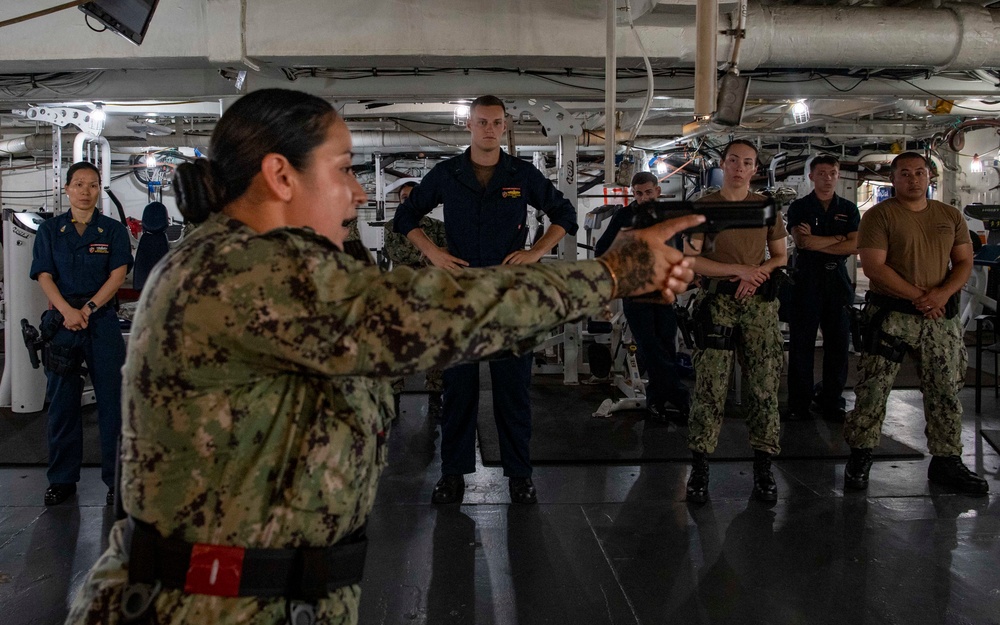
column 128, row 18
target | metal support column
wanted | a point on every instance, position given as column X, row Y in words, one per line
column 557, row 121
column 573, row 339
column 57, row 184
column 379, row 188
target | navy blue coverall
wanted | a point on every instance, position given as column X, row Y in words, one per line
column 79, row 266
column 654, row 327
column 820, row 297
column 482, row 226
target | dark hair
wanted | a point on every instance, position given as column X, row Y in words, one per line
column 824, row 159
column 487, row 100
column 269, row 121
column 75, row 167
column 745, row 142
column 409, row 184
column 906, row 156
column 643, row 177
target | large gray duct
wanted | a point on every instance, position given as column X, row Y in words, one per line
column 954, row 37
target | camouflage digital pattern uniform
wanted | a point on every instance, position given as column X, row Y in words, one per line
column 401, row 252
column 938, row 347
column 760, row 354
column 354, row 246
column 257, row 401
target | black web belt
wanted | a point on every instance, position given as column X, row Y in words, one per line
column 307, row 574
column 893, row 304
column 78, row 301
column 767, row 290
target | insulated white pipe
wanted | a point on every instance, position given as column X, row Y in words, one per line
column 610, row 88
column 26, row 144
column 105, row 164
column 956, row 36
column 367, row 140
column 706, row 57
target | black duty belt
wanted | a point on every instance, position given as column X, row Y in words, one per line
column 306, row 573
column 813, row 263
column 78, row 301
column 720, row 287
column 895, row 304
column 767, row 290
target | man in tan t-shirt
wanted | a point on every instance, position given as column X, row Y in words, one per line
column 737, row 310
column 906, row 244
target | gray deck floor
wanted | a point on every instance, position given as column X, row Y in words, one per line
column 612, row 544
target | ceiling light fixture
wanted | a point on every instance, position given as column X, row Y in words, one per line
column 976, row 166
column 800, row 112
column 150, row 161
column 461, row 114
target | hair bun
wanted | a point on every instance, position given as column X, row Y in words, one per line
column 197, row 191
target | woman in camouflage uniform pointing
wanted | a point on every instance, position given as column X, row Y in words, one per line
column 257, row 399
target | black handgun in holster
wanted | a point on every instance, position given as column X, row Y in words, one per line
column 857, row 326
column 875, row 340
column 719, row 216
column 710, row 335
column 33, row 341
column 59, row 359
column 36, row 340
column 686, row 325
column 779, row 278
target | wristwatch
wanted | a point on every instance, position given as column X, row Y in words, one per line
column 92, row 306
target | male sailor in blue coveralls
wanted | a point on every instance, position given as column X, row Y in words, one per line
column 825, row 229
column 486, row 193
column 80, row 260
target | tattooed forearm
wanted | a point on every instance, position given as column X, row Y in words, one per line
column 633, row 263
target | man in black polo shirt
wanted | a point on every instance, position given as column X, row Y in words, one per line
column 825, row 229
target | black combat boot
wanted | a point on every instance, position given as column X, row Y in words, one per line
column 434, row 406
column 951, row 472
column 857, row 468
column 764, row 488
column 697, row 486
column 449, row 489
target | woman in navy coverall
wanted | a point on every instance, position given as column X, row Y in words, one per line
column 80, row 260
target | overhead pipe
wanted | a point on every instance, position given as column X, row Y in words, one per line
column 959, row 108
column 610, row 90
column 738, row 35
column 377, row 139
column 27, row 144
column 706, row 57
column 363, row 140
column 957, row 36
